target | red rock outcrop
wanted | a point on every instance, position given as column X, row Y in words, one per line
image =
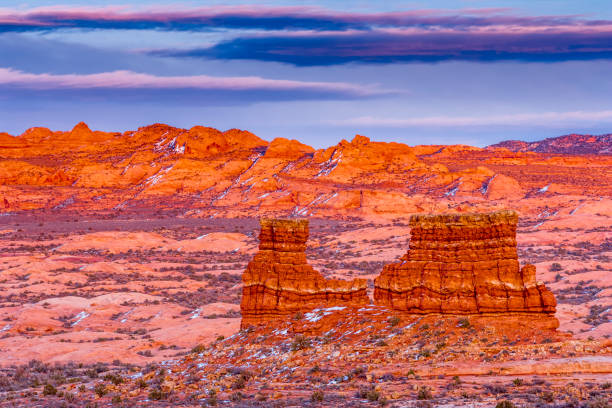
column 463, row 264
column 278, row 282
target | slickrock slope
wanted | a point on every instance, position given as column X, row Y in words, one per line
column 463, row 264
column 279, row 282
column 203, row 172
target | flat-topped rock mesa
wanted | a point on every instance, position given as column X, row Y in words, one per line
column 463, row 264
column 278, row 282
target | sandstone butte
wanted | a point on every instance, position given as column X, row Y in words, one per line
column 278, row 282
column 457, row 264
column 464, row 264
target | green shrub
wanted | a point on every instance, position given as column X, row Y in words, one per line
column 394, row 321
column 505, row 404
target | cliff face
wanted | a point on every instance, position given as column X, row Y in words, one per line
column 278, row 282
column 462, row 264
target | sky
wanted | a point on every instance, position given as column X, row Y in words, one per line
column 419, row 72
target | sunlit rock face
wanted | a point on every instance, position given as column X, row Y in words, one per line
column 463, row 264
column 278, row 282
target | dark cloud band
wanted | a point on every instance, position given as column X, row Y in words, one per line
column 429, row 47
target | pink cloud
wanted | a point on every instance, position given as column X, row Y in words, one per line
column 135, row 80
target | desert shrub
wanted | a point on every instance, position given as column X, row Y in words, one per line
column 505, row 404
column 300, row 342
column 116, row 399
column 212, row 399
column 198, row 349
column 114, row 378
column 157, row 394
column 465, row 323
column 140, row 383
column 547, row 396
column 298, row 316
column 100, row 390
column 555, row 267
column 599, row 403
column 424, row 393
column 236, row 397
column 317, row 396
column 369, row 393
column 394, row 321
column 240, row 382
column 517, row 382
column 49, row 390
column 606, row 386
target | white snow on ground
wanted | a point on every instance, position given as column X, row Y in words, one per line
column 452, row 191
column 485, row 186
column 575, row 209
column 79, row 317
column 202, row 236
column 544, row 189
column 329, row 165
column 317, row 314
column 154, row 179
column 126, row 314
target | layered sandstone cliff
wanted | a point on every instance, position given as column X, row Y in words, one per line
column 278, row 282
column 463, row 264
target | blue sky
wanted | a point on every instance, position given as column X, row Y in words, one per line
column 435, row 72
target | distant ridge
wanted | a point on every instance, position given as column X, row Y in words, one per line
column 569, row 144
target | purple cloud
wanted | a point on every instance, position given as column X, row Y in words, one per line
column 409, row 46
column 307, row 36
column 269, row 18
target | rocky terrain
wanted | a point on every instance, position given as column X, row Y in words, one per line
column 122, row 260
column 569, row 144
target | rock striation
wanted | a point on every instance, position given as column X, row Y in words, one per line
column 278, row 282
column 463, row 264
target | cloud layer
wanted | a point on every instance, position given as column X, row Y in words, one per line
column 306, row 36
column 134, row 80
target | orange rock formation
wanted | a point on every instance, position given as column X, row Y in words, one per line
column 279, row 282
column 463, row 264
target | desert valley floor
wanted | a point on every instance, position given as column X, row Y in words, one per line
column 90, row 296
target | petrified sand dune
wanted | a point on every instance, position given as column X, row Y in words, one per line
column 279, row 282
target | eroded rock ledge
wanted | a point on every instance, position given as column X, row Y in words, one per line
column 278, row 282
column 463, row 264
